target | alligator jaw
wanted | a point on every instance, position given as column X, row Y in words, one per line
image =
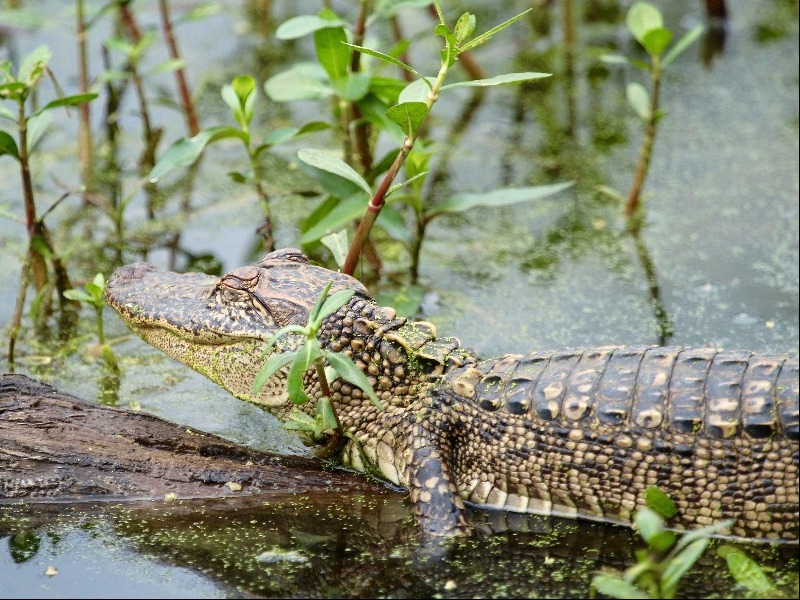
column 176, row 313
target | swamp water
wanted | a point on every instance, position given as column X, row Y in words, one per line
column 720, row 245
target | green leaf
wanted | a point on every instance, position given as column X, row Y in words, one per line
column 331, row 164
column 680, row 564
column 450, row 50
column 701, row 533
column 615, row 59
column 639, row 99
column 660, row 502
column 353, row 87
column 275, row 362
column 745, row 570
column 32, row 66
column 333, row 303
column 617, row 587
column 409, row 116
column 77, row 295
column 326, row 415
column 297, row 419
column 8, row 145
column 648, row 523
column 642, row 18
column 240, row 96
column 506, row 79
column 352, row 374
column 304, row 81
column 95, row 292
column 681, row 45
column 66, row 101
column 465, row 27
column 199, row 12
column 411, row 180
column 332, row 53
column 416, row 91
column 100, row 281
column 186, row 151
column 293, row 328
column 389, row 59
column 338, row 244
column 303, row 360
column 656, row 40
column 312, row 315
column 282, row 135
column 485, row 37
column 345, row 212
column 662, row 541
column 120, row 45
column 7, row 114
column 501, row 197
column 39, row 244
column 300, row 26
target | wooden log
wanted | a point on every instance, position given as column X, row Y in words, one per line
column 54, row 447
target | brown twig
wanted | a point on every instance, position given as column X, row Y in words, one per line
column 192, row 122
column 84, row 131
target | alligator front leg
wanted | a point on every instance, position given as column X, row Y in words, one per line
column 437, row 505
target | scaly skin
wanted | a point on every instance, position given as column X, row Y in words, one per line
column 574, row 433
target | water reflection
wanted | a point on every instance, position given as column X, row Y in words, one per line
column 361, row 546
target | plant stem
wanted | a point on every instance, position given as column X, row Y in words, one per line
column 101, row 337
column 266, row 228
column 646, row 150
column 16, row 320
column 37, row 262
column 337, row 440
column 361, row 129
column 192, row 122
column 377, row 201
column 84, row 131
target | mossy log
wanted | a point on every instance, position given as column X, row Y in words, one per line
column 57, row 447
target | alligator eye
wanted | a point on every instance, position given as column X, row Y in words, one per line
column 229, row 295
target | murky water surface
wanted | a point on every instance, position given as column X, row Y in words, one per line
column 720, row 244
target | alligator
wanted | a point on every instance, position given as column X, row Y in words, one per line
column 579, row 433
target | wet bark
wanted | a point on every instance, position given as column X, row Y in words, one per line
column 54, row 446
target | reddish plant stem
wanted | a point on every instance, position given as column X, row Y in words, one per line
column 37, row 262
column 374, row 208
column 84, row 131
column 192, row 122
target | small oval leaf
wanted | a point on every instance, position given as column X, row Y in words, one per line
column 330, row 163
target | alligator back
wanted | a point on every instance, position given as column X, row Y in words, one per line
column 585, row 432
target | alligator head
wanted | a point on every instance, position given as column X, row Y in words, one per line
column 219, row 326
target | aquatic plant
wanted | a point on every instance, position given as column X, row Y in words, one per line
column 240, row 96
column 390, row 107
column 311, row 355
column 668, row 557
column 645, row 23
column 92, row 295
column 31, row 125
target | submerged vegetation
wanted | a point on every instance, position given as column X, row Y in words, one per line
column 357, row 151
